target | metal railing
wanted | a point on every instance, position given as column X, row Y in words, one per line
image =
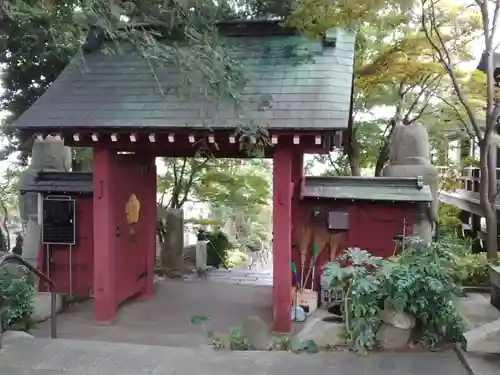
column 469, row 177
column 11, row 258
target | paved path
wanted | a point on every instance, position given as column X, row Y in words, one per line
column 237, row 276
column 58, row 357
column 261, row 274
column 164, row 319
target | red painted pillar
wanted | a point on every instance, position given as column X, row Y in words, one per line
column 297, row 175
column 150, row 218
column 105, row 298
column 282, row 228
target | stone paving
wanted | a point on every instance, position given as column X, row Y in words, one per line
column 164, row 319
column 58, row 357
column 477, row 310
column 172, row 346
column 260, row 274
column 237, row 276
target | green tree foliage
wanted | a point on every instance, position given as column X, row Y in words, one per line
column 240, row 194
column 217, row 181
column 9, row 201
column 182, row 179
column 397, row 78
column 35, row 47
column 235, row 189
column 38, row 39
column 480, row 19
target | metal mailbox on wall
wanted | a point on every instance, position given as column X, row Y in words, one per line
column 338, row 220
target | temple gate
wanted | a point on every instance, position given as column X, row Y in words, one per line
column 299, row 93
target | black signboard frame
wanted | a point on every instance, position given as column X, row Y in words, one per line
column 58, row 220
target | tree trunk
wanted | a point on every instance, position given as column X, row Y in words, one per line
column 442, row 154
column 382, row 158
column 354, row 158
column 487, row 200
column 491, row 234
column 174, row 203
column 5, row 227
column 353, row 153
column 385, row 150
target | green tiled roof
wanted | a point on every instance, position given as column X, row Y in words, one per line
column 303, row 83
column 392, row 189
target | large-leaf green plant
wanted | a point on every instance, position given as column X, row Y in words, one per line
column 421, row 282
column 354, row 274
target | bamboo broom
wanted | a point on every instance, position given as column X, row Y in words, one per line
column 320, row 239
column 334, row 243
column 304, row 238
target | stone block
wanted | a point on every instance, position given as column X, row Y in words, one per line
column 398, row 319
column 324, row 334
column 10, row 336
column 201, row 256
column 257, row 333
column 171, row 254
column 484, row 339
column 41, row 304
column 390, row 337
column 495, row 286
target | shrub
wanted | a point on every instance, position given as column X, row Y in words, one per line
column 217, row 248
column 469, row 269
column 459, row 246
column 236, row 258
column 17, row 290
column 472, row 269
column 448, row 220
column 420, row 282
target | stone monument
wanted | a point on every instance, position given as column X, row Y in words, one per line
column 49, row 154
column 410, row 157
column 171, row 253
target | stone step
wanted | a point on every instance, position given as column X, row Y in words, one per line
column 484, row 339
column 23, row 356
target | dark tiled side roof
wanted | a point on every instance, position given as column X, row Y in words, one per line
column 58, row 182
column 311, row 91
column 389, row 189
